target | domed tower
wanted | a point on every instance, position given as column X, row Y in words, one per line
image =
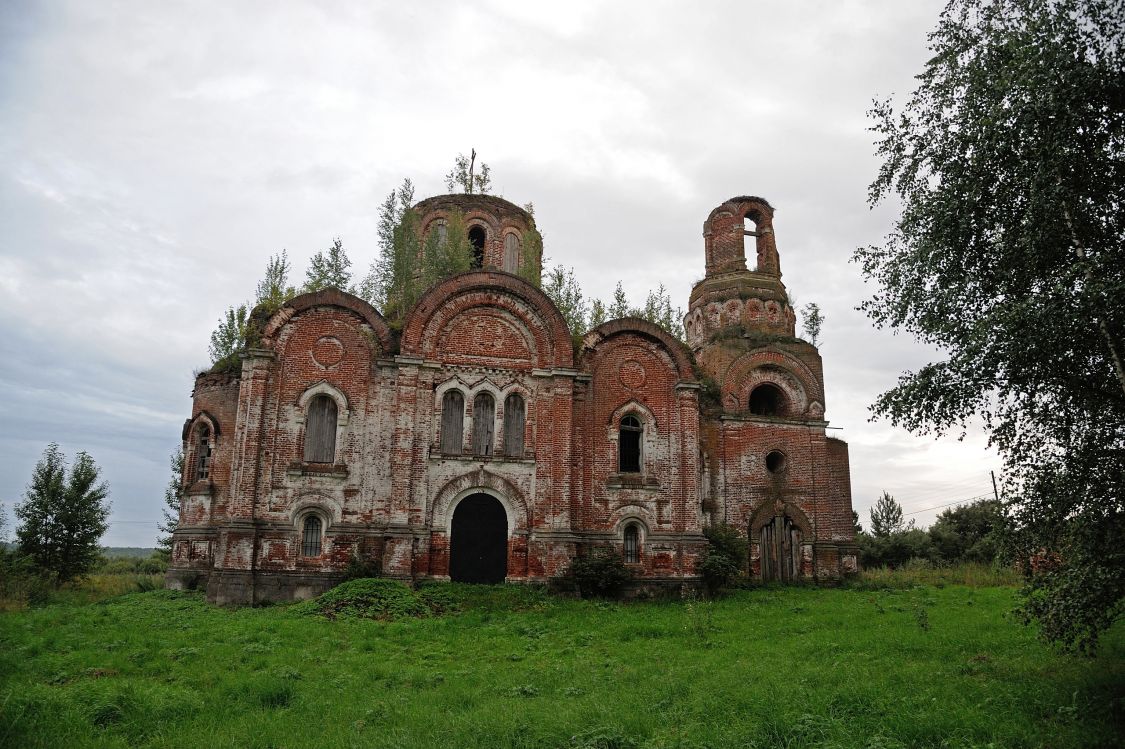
column 502, row 234
column 771, row 466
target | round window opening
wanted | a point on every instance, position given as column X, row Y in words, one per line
column 775, row 461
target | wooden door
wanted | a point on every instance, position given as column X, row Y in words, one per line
column 779, row 544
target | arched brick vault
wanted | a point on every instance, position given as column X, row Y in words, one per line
column 511, row 497
column 738, row 206
column 330, row 298
column 489, row 289
column 644, row 328
column 770, row 509
column 743, row 374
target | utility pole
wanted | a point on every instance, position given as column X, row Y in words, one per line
column 995, row 493
column 472, row 164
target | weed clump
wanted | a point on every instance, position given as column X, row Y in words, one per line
column 367, row 598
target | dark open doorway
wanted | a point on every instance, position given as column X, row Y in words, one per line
column 478, row 546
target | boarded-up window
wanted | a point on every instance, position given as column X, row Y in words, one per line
column 484, row 420
column 203, row 455
column 513, row 425
column 452, row 422
column 310, row 539
column 442, row 232
column 632, row 544
column 629, row 445
column 320, row 430
column 511, row 253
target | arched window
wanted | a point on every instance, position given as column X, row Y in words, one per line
column 513, row 425
column 629, row 445
column 452, row 422
column 767, row 400
column 511, row 253
column 477, row 237
column 203, row 455
column 310, row 537
column 320, row 430
column 632, row 544
column 484, row 418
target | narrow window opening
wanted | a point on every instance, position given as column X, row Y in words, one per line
column 484, row 418
column 203, row 461
column 476, row 239
column 442, row 232
column 632, row 544
column 775, row 461
column 320, row 430
column 767, row 400
column 514, row 425
column 452, row 422
column 310, row 539
column 629, row 445
column 749, row 225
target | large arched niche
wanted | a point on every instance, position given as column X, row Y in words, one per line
column 770, row 509
column 500, row 302
column 788, row 373
column 610, row 333
column 272, row 330
column 480, row 481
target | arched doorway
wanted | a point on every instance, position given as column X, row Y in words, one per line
column 478, row 544
column 779, row 544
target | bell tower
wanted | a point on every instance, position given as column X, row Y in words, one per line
column 734, row 300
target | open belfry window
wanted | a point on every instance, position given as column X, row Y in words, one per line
column 203, row 455
column 484, row 424
column 320, row 430
column 767, row 400
column 452, row 422
column 514, row 425
column 310, row 536
column 629, row 445
column 477, row 237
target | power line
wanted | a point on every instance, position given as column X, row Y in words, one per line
column 950, row 504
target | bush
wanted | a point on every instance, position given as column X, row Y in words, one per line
column 360, row 567
column 600, row 574
column 725, row 557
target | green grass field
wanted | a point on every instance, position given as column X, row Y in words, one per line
column 921, row 666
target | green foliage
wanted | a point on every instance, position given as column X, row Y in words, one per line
column 564, row 290
column 600, row 573
column 886, row 517
column 896, row 548
column 725, row 557
column 274, row 289
column 63, row 515
column 811, row 321
column 329, row 269
column 531, row 260
column 227, row 341
column 170, row 512
column 969, row 533
column 466, row 175
column 361, row 567
column 1009, row 257
column 442, row 259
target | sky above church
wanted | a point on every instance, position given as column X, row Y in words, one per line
column 156, row 154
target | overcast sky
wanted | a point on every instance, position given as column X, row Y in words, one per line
column 156, row 153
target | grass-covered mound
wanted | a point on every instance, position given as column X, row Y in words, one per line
column 392, row 600
column 367, row 598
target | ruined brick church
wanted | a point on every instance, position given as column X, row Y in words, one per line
column 482, row 443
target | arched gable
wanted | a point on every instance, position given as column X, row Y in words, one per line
column 780, row 368
column 332, row 298
column 515, row 312
column 607, row 331
column 483, row 481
